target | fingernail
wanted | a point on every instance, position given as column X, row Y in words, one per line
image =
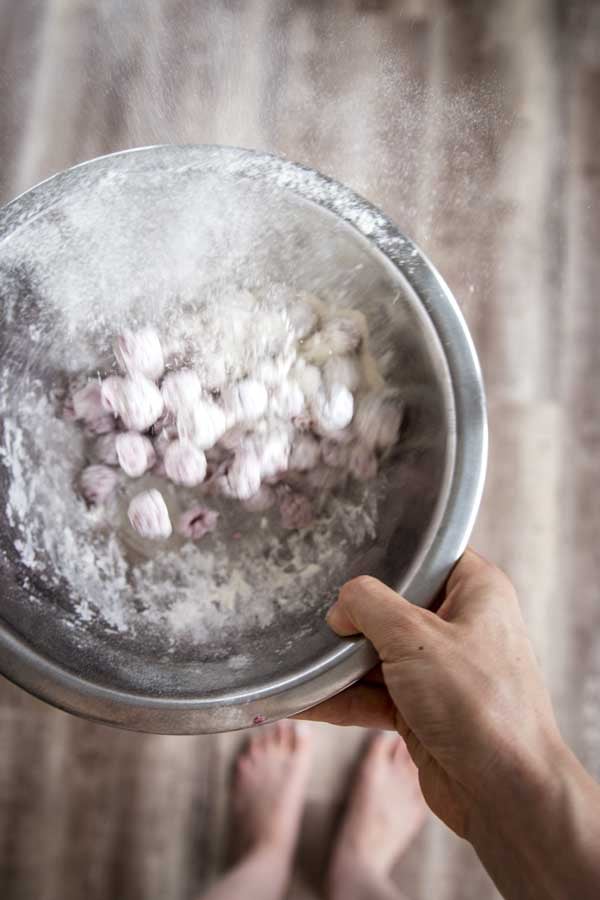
column 338, row 621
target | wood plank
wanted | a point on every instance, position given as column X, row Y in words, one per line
column 579, row 384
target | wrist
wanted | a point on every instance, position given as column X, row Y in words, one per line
column 538, row 834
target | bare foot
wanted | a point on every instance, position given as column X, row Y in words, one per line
column 385, row 813
column 270, row 788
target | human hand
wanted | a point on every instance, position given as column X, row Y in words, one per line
column 462, row 686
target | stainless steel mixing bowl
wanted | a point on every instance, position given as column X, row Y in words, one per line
column 117, row 239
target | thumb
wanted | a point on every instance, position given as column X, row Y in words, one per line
column 367, row 606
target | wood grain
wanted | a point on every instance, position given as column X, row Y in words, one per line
column 475, row 126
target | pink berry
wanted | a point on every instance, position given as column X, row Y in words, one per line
column 180, row 390
column 135, row 399
column 246, row 401
column 185, row 463
column 140, row 351
column 196, row 522
column 135, row 453
column 243, row 476
column 98, row 483
column 87, row 402
column 333, row 409
column 104, row 449
column 203, row 423
column 149, row 515
column 101, row 425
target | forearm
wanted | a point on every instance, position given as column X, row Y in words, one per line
column 541, row 841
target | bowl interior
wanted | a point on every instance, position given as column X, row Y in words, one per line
column 147, row 237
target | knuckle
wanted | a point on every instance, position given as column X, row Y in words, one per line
column 359, row 586
column 399, row 643
column 354, row 595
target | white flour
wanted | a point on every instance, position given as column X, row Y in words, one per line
column 236, row 578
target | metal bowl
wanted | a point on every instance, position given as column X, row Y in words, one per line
column 126, row 238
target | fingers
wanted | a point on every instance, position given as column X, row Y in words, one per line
column 392, row 624
column 365, row 705
column 471, row 566
column 369, row 607
column 474, row 587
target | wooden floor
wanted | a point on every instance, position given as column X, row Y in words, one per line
column 475, row 126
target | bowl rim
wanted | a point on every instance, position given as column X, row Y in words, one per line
column 353, row 657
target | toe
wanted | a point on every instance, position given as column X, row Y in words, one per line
column 244, row 768
column 402, row 757
column 398, row 751
column 258, row 744
column 245, row 750
column 375, row 759
column 282, row 735
column 292, row 736
column 301, row 736
column 378, row 748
